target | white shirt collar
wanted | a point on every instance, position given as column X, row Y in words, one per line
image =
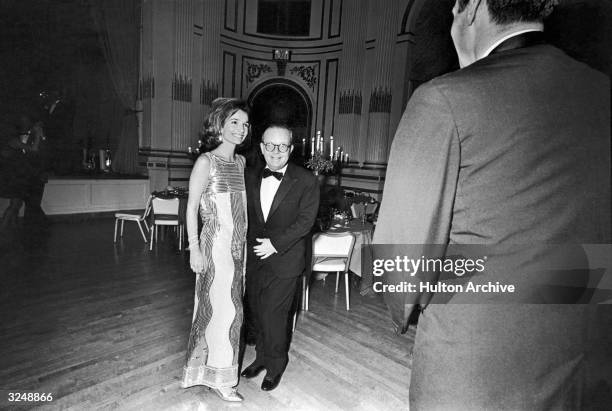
column 506, row 37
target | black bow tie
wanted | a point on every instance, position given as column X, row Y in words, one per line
column 277, row 174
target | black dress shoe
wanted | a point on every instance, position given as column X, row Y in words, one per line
column 270, row 383
column 252, row 371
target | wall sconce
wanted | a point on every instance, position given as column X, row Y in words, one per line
column 281, row 57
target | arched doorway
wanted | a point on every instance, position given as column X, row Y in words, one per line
column 282, row 102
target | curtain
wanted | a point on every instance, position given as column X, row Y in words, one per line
column 118, row 26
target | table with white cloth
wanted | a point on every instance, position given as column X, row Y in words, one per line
column 363, row 236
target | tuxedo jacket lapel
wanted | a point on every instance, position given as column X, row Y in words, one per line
column 257, row 199
column 282, row 191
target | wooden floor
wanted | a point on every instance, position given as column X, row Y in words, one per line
column 105, row 326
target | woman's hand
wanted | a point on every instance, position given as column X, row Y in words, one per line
column 196, row 261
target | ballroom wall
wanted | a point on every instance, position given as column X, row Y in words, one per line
column 352, row 68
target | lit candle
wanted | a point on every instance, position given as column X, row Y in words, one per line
column 346, row 158
column 319, row 142
column 303, row 147
column 312, row 146
column 331, row 147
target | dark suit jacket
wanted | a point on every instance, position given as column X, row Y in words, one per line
column 513, row 149
column 290, row 220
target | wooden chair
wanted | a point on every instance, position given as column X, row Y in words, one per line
column 331, row 252
column 165, row 213
column 138, row 218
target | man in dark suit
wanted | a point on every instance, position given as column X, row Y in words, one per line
column 283, row 200
column 512, row 149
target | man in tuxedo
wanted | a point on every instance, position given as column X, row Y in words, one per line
column 283, row 200
column 512, row 149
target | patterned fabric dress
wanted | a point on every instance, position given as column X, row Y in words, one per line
column 212, row 352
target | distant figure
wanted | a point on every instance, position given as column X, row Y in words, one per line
column 217, row 254
column 512, row 149
column 22, row 174
column 283, row 200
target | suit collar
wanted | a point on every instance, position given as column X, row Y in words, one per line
column 527, row 39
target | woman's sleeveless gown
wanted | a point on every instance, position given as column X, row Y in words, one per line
column 212, row 352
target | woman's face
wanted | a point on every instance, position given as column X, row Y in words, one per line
column 236, row 128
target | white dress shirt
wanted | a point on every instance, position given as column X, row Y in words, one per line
column 268, row 189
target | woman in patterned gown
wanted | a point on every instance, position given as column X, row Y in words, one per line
column 217, row 254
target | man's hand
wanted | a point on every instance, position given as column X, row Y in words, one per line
column 265, row 249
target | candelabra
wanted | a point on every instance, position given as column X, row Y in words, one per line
column 319, row 159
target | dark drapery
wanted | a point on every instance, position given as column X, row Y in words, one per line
column 118, row 25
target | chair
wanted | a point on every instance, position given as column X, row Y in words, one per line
column 331, row 252
column 358, row 210
column 165, row 213
column 123, row 217
column 370, row 208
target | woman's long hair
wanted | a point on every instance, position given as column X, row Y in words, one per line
column 222, row 108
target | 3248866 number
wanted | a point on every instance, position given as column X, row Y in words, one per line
column 29, row 397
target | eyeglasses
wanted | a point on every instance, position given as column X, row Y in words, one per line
column 282, row 148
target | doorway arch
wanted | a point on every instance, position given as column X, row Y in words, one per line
column 281, row 101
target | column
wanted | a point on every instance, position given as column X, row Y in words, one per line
column 350, row 78
column 380, row 91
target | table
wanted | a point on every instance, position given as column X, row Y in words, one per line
column 363, row 236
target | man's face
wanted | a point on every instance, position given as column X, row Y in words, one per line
column 275, row 159
column 461, row 32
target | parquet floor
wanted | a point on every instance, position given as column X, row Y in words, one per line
column 105, row 326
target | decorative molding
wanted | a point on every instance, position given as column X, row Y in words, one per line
column 229, row 90
column 254, row 71
column 326, row 46
column 208, row 92
column 330, row 96
column 330, row 32
column 380, row 101
column 350, row 102
column 146, row 87
column 306, row 73
column 357, row 104
column 227, row 17
column 182, row 89
column 161, row 153
column 345, row 102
